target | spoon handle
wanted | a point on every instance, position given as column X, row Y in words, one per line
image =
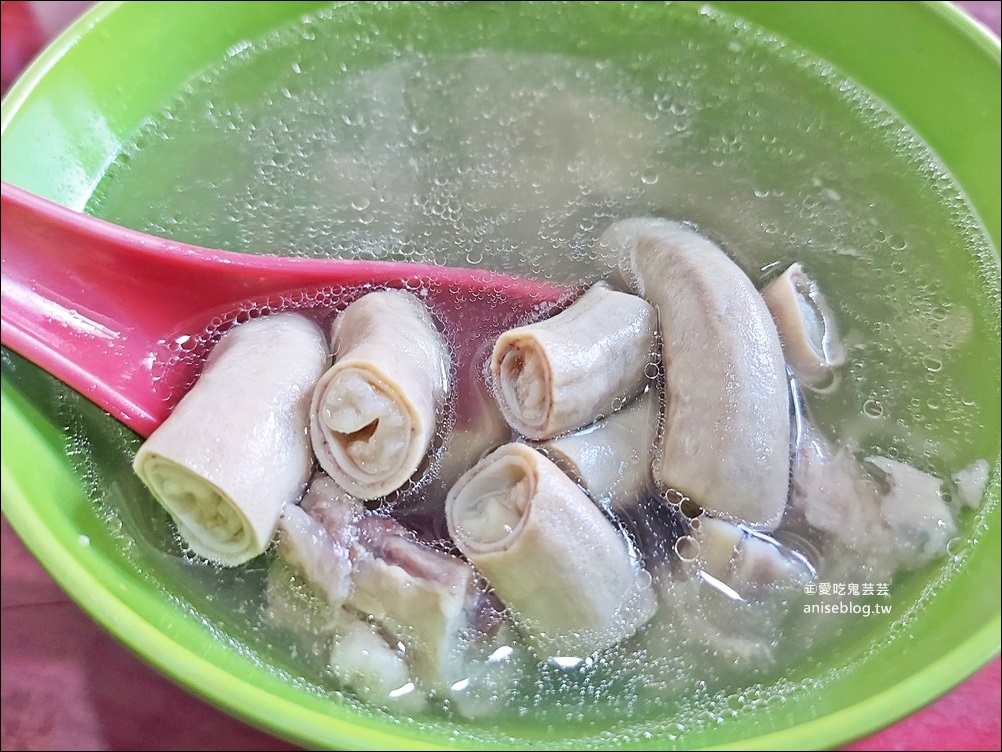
column 96, row 305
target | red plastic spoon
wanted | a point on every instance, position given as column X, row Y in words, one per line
column 103, row 308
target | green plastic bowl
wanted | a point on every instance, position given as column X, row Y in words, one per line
column 66, row 119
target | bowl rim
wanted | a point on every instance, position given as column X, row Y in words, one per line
column 257, row 706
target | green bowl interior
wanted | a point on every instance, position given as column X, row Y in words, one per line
column 67, row 119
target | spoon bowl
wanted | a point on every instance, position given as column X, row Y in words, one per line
column 106, row 309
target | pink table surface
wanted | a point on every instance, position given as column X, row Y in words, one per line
column 66, row 684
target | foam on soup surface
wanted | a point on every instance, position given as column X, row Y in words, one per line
column 382, row 143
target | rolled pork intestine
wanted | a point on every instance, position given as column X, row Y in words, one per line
column 807, row 329
column 375, row 411
column 611, row 459
column 479, row 428
column 561, row 373
column 549, row 553
column 726, row 428
column 234, row 452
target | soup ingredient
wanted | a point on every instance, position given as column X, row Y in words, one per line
column 316, row 538
column 478, row 428
column 971, row 483
column 611, row 459
column 726, row 434
column 806, row 326
column 745, row 561
column 235, row 452
column 419, row 595
column 340, row 641
column 913, row 510
column 700, row 616
column 562, row 373
column 363, row 659
column 548, row 552
column 417, row 614
column 894, row 518
column 375, row 411
column 727, row 593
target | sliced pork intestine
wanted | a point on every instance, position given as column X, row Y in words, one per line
column 370, row 565
column 337, row 511
column 696, row 616
column 341, row 641
column 725, row 591
column 420, row 596
column 891, row 515
column 611, row 459
column 364, row 658
column 726, row 428
column 234, row 452
column 375, row 411
column 561, row 373
column 315, row 555
column 373, row 663
column 806, row 326
column 548, row 552
column 316, row 539
column 746, row 562
column 971, row 483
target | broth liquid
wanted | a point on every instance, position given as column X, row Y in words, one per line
column 386, row 142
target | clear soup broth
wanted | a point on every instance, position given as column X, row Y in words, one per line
column 382, row 144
